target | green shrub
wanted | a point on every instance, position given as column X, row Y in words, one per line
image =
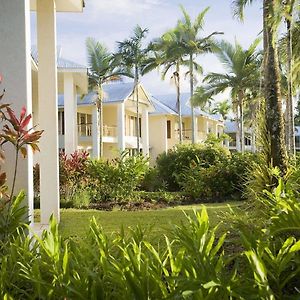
column 116, row 180
column 172, row 198
column 207, row 172
column 173, row 163
column 196, row 264
column 72, row 173
column 152, row 181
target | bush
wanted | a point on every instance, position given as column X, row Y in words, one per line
column 72, row 173
column 152, row 181
column 116, row 180
column 196, row 264
column 221, row 181
column 172, row 164
column 171, row 198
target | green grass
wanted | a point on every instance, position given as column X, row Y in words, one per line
column 75, row 223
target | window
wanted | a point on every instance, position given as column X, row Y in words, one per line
column 132, row 126
column 247, row 141
column 297, row 141
column 168, row 129
column 84, row 122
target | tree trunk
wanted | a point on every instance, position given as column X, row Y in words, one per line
column 238, row 127
column 287, row 123
column 177, row 78
column 192, row 93
column 241, row 119
column 274, row 118
column 100, row 113
column 291, row 138
column 136, row 89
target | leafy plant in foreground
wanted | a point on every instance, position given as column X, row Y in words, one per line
column 16, row 133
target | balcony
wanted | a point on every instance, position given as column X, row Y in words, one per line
column 110, row 131
column 85, row 133
column 187, row 135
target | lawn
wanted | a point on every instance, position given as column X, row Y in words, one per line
column 75, row 223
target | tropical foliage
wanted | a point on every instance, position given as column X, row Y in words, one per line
column 132, row 55
column 196, row 263
column 102, row 69
column 242, row 78
column 271, row 76
column 15, row 131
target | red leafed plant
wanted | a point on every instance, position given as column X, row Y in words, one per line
column 72, row 170
column 15, row 132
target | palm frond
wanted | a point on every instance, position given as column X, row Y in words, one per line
column 238, row 7
column 199, row 21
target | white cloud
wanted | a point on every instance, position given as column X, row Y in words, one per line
column 123, row 7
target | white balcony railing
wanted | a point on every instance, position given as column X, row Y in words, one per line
column 85, row 130
column 110, row 131
column 187, row 135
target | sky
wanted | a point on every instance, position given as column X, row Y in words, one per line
column 109, row 21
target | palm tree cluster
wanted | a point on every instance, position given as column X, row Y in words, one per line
column 275, row 67
column 255, row 78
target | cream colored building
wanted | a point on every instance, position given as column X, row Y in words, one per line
column 34, row 86
column 164, row 124
column 159, row 130
column 119, row 121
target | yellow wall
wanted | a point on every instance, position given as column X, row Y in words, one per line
column 174, row 140
column 110, row 151
column 110, row 115
column 157, row 136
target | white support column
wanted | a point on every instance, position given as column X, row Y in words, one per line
column 15, row 67
column 121, row 126
column 238, row 142
column 164, row 130
column 47, row 86
column 227, row 143
column 196, row 135
column 95, row 133
column 145, row 132
column 70, row 114
column 75, row 118
column 217, row 130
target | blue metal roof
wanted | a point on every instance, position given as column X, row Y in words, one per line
column 230, row 127
column 113, row 93
column 170, row 100
column 160, row 108
column 62, row 63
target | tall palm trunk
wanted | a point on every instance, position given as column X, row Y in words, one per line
column 274, row 118
column 241, row 119
column 100, row 119
column 177, row 77
column 192, row 93
column 136, row 89
column 287, row 123
column 290, row 108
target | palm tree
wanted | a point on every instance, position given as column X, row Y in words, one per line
column 193, row 45
column 242, row 76
column 273, row 104
column 222, row 108
column 102, row 69
column 132, row 55
column 288, row 8
column 166, row 53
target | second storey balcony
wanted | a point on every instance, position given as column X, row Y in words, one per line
column 110, row 133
